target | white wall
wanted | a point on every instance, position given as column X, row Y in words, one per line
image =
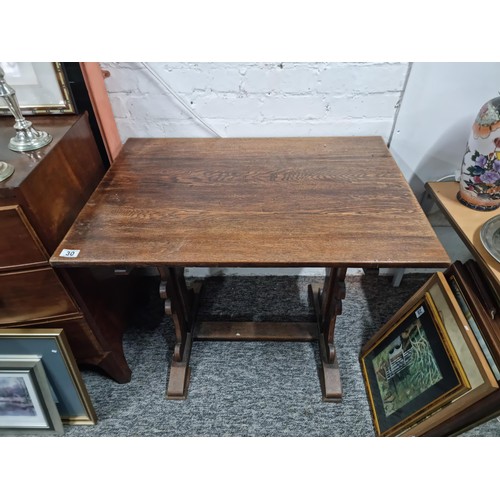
column 256, row 99
column 440, row 103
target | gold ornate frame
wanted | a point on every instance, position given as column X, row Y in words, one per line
column 448, row 356
column 73, row 401
column 46, row 419
column 37, row 103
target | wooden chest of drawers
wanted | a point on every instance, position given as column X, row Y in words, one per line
column 38, row 204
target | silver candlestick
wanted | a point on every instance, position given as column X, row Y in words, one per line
column 26, row 138
column 6, row 170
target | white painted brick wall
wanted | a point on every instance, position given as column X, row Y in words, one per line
column 256, row 99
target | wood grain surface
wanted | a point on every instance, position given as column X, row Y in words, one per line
column 20, row 247
column 325, row 201
column 25, row 163
column 15, row 295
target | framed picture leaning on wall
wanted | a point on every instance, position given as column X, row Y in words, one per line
column 483, row 324
column 482, row 379
column 410, row 367
column 69, row 392
column 26, row 403
column 425, row 366
column 41, row 88
column 475, row 304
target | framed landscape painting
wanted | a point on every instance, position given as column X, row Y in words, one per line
column 26, row 403
column 68, row 389
column 411, row 368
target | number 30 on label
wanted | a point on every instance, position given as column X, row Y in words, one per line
column 70, row 254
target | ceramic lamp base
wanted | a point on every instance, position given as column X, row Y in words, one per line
column 483, row 208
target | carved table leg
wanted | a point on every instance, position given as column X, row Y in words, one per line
column 328, row 305
column 179, row 305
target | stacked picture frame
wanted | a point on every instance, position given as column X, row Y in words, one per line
column 41, row 387
column 434, row 368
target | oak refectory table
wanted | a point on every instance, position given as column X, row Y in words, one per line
column 328, row 202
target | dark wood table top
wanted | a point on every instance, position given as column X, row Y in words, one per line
column 325, row 201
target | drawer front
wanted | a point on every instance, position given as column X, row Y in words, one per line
column 30, row 295
column 19, row 245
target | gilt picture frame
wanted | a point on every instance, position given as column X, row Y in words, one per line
column 410, row 367
column 41, row 88
column 482, row 381
column 480, row 321
column 51, row 345
column 27, row 407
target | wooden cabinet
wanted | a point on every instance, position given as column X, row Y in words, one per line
column 38, row 204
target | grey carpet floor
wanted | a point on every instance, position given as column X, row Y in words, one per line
column 251, row 388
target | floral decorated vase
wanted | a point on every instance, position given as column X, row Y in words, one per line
column 480, row 176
